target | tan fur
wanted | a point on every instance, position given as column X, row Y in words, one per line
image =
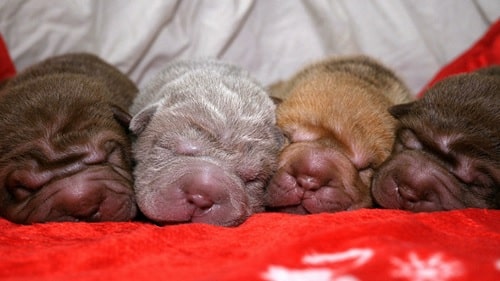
column 341, row 104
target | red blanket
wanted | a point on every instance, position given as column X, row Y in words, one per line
column 356, row 245
column 7, row 68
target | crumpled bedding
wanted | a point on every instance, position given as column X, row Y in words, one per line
column 366, row 244
column 272, row 38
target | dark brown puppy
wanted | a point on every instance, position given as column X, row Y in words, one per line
column 447, row 151
column 64, row 149
column 335, row 116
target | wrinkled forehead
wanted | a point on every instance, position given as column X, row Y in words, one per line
column 206, row 129
column 228, row 92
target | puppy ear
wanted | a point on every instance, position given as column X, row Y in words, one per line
column 121, row 116
column 279, row 136
column 141, row 120
column 400, row 110
column 276, row 100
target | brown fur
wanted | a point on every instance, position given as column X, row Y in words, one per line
column 335, row 116
column 447, row 151
column 64, row 150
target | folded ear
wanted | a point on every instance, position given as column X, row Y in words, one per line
column 121, row 116
column 400, row 110
column 276, row 100
column 141, row 120
column 279, row 136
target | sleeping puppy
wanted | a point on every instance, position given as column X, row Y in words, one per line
column 335, row 117
column 206, row 144
column 447, row 150
column 65, row 154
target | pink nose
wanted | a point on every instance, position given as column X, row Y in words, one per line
column 200, row 201
column 308, row 183
column 209, row 185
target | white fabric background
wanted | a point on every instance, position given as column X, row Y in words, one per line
column 271, row 38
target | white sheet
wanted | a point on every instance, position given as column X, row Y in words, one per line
column 271, row 38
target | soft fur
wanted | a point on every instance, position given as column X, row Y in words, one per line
column 64, row 150
column 335, row 116
column 206, row 144
column 447, row 151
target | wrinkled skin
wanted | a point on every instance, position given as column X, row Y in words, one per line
column 64, row 150
column 206, row 144
column 315, row 178
column 339, row 131
column 447, row 150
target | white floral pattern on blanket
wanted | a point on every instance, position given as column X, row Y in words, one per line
column 338, row 267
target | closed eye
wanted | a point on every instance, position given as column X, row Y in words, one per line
column 19, row 192
column 188, row 148
column 409, row 140
column 20, row 186
column 480, row 188
column 288, row 138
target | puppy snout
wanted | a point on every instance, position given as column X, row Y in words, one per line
column 409, row 193
column 213, row 196
column 307, row 182
column 206, row 187
column 201, row 201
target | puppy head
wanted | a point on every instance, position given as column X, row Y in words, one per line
column 447, row 151
column 335, row 116
column 329, row 162
column 120, row 90
column 205, row 150
column 64, row 155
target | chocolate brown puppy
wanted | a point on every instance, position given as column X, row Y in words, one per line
column 447, row 151
column 207, row 144
column 335, row 116
column 65, row 153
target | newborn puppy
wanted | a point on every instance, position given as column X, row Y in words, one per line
column 447, row 150
column 64, row 151
column 206, row 144
column 335, row 116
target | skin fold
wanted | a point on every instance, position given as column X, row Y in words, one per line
column 65, row 153
column 447, row 150
column 206, row 144
column 334, row 114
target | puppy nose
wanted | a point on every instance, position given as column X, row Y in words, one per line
column 206, row 187
column 409, row 193
column 308, row 182
column 200, row 201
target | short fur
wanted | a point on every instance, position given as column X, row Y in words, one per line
column 206, row 144
column 64, row 151
column 447, row 151
column 335, row 116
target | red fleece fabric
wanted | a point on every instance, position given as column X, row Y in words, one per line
column 7, row 68
column 367, row 244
